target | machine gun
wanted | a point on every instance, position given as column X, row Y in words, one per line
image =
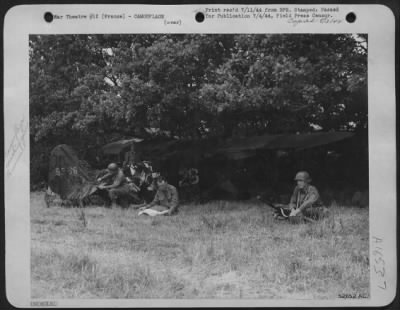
column 284, row 213
column 279, row 209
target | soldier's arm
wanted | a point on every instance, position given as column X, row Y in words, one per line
column 292, row 203
column 174, row 201
column 104, row 177
column 117, row 182
column 154, row 202
column 312, row 197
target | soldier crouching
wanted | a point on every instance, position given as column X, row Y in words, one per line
column 119, row 191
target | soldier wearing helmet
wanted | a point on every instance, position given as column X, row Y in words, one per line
column 116, row 185
column 305, row 196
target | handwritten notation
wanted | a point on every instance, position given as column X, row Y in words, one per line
column 379, row 262
column 16, row 147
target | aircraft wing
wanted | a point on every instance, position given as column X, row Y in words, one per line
column 117, row 146
column 243, row 147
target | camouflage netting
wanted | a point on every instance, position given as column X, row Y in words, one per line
column 68, row 176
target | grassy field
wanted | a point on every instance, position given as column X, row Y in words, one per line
column 215, row 250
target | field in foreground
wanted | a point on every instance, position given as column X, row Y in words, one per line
column 215, row 250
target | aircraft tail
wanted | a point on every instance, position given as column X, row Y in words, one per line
column 68, row 177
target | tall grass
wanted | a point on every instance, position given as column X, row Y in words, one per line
column 215, row 250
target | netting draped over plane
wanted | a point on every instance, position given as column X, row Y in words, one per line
column 68, row 177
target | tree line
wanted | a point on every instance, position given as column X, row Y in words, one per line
column 87, row 90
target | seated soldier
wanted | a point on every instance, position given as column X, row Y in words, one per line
column 165, row 201
column 305, row 200
column 119, row 191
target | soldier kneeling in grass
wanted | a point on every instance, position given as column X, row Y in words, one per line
column 305, row 202
column 165, row 201
column 116, row 186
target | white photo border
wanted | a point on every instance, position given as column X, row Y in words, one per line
column 375, row 20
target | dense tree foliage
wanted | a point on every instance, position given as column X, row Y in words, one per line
column 86, row 90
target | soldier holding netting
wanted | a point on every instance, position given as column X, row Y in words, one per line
column 117, row 186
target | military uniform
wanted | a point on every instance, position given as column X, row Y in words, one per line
column 308, row 195
column 122, row 192
column 309, row 198
column 305, row 201
column 166, row 198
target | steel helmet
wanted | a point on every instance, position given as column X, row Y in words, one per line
column 302, row 176
column 112, row 167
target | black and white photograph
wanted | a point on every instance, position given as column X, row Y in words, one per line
column 200, row 156
column 189, row 166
